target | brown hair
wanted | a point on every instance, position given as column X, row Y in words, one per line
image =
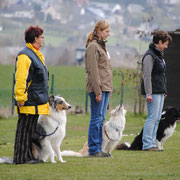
column 161, row 35
column 102, row 25
column 32, row 32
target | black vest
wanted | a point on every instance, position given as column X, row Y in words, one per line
column 38, row 76
column 158, row 78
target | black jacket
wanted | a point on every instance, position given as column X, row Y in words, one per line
column 158, row 78
column 38, row 76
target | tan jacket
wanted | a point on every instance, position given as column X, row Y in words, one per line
column 98, row 69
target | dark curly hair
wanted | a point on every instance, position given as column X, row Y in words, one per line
column 32, row 32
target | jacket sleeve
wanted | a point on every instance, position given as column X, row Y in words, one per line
column 22, row 70
column 92, row 63
column 147, row 70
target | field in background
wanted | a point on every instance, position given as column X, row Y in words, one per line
column 70, row 82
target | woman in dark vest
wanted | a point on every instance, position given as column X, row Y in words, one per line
column 31, row 93
column 153, row 87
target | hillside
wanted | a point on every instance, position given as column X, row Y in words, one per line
column 66, row 24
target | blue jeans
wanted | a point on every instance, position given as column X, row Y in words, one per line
column 98, row 114
column 154, row 110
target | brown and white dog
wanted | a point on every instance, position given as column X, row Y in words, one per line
column 51, row 130
column 112, row 133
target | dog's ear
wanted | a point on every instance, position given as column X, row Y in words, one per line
column 175, row 112
column 51, row 99
column 172, row 112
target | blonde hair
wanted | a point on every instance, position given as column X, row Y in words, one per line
column 100, row 25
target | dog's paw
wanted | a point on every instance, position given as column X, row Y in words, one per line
column 61, row 160
column 53, row 162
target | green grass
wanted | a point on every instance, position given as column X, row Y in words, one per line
column 53, row 38
column 123, row 165
column 70, row 82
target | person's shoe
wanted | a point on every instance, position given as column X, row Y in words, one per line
column 152, row 149
column 99, row 154
column 35, row 161
column 157, row 149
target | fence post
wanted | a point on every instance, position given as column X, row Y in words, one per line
column 13, row 103
column 52, row 84
column 137, row 87
column 86, row 103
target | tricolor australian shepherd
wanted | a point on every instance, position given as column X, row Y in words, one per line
column 51, row 130
column 165, row 130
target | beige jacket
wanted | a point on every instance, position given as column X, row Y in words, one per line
column 98, row 69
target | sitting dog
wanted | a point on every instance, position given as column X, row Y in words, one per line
column 165, row 130
column 112, row 134
column 51, row 130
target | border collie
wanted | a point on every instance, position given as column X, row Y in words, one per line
column 165, row 130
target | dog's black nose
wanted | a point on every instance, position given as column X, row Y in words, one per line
column 69, row 107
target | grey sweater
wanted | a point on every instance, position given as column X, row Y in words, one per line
column 147, row 70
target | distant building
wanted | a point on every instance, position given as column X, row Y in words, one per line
column 55, row 15
column 19, row 11
column 132, row 8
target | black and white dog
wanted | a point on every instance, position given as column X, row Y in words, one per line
column 165, row 130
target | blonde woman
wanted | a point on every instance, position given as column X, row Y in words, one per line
column 99, row 84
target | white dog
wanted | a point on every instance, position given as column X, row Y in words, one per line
column 112, row 133
column 51, row 130
column 113, row 129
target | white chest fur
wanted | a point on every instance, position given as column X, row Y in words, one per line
column 168, row 132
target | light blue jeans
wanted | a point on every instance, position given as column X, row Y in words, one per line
column 154, row 110
column 98, row 114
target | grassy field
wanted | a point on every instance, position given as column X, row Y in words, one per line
column 70, row 82
column 123, row 165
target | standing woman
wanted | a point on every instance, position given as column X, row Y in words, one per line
column 99, row 84
column 31, row 94
column 154, row 87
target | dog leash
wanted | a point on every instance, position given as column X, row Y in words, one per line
column 107, row 134
column 44, row 135
column 122, row 88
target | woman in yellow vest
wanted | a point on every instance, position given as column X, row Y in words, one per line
column 31, row 93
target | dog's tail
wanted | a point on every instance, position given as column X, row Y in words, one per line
column 6, row 160
column 71, row 153
column 123, row 146
column 82, row 153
